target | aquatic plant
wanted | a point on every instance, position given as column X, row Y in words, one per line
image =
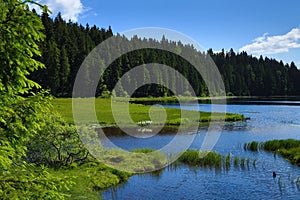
column 289, row 148
column 243, row 162
column 274, row 145
column 236, row 161
column 254, row 163
column 227, row 161
column 203, row 159
column 248, row 162
column 253, row 146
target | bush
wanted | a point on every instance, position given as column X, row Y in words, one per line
column 56, row 144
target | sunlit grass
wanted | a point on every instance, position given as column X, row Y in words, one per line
column 90, row 178
column 138, row 113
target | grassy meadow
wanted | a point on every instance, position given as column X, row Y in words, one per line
column 138, row 113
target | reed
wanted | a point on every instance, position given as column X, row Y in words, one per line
column 227, row 161
column 253, row 146
column 202, row 159
column 243, row 162
column 236, row 161
column 274, row 145
column 289, row 148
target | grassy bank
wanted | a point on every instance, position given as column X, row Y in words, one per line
column 138, row 113
column 89, row 179
column 289, row 149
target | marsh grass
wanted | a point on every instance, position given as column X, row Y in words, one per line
column 253, row 146
column 211, row 159
column 289, row 148
column 227, row 161
column 201, row 159
column 243, row 162
column 236, row 161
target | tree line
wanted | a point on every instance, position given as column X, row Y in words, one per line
column 67, row 44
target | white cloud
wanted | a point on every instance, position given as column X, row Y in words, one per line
column 274, row 44
column 69, row 9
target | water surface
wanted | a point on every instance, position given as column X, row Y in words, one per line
column 277, row 120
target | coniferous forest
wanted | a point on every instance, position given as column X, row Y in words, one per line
column 67, row 44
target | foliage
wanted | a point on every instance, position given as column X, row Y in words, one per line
column 20, row 119
column 67, row 44
column 90, row 178
column 25, row 181
column 21, row 111
column 20, row 31
column 56, row 144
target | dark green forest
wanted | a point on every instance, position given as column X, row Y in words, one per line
column 67, row 44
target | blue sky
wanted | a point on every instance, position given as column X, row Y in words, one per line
column 270, row 28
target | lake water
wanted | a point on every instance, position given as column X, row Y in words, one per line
column 273, row 120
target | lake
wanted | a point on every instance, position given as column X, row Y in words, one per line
column 276, row 119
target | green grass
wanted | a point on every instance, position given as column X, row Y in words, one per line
column 89, row 179
column 289, row 149
column 201, row 159
column 174, row 99
column 138, row 112
column 211, row 159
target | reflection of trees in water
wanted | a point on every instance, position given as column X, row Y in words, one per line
column 237, row 126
